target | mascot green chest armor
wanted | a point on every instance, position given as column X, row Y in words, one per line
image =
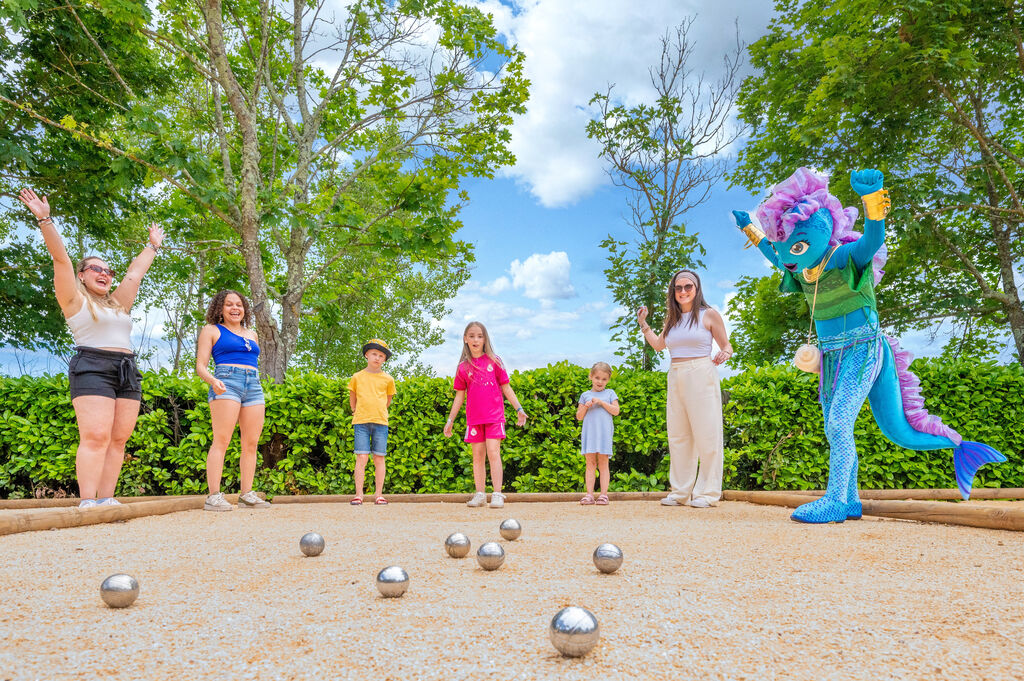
column 810, row 237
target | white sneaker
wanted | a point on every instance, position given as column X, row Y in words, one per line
column 670, row 501
column 217, row 502
column 87, row 503
column 497, row 500
column 251, row 500
column 479, row 499
column 108, row 501
column 699, row 502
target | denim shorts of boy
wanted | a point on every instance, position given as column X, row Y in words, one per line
column 371, row 438
column 485, row 431
column 105, row 373
column 242, row 383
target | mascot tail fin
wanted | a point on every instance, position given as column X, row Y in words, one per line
column 968, row 457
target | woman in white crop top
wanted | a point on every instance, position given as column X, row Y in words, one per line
column 693, row 410
column 106, row 388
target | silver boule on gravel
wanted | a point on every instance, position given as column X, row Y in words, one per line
column 510, row 529
column 119, row 591
column 457, row 545
column 607, row 558
column 574, row 631
column 312, row 544
column 392, row 581
column 490, row 555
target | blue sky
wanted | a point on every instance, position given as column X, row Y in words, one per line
column 538, row 284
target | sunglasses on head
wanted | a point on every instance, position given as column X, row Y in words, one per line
column 98, row 270
column 684, row 287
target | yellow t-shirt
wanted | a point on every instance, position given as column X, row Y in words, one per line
column 372, row 392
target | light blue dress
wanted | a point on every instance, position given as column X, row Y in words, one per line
column 598, row 424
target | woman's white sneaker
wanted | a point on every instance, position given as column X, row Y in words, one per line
column 497, row 500
column 479, row 499
column 87, row 503
column 251, row 500
column 217, row 502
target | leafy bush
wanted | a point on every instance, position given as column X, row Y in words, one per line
column 773, row 434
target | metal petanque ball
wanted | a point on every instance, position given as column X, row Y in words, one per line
column 574, row 631
column 312, row 544
column 607, row 558
column 119, row 591
column 510, row 529
column 490, row 556
column 392, row 581
column 457, row 545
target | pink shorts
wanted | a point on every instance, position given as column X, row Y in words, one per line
column 485, row 431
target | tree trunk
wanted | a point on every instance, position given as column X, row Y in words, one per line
column 273, row 353
column 1012, row 306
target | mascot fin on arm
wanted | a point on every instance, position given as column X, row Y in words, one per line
column 810, row 237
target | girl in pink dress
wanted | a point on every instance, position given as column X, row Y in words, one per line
column 482, row 382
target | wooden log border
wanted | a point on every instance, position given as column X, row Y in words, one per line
column 923, row 511
column 48, row 514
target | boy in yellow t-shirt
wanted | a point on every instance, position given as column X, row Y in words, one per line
column 370, row 392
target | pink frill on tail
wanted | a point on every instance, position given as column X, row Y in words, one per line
column 913, row 403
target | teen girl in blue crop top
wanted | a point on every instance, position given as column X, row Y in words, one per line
column 235, row 395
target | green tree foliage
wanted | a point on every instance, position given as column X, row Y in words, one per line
column 667, row 156
column 774, row 437
column 769, row 325
column 928, row 92
column 310, row 134
column 29, row 315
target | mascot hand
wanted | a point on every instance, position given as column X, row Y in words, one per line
column 742, row 218
column 866, row 182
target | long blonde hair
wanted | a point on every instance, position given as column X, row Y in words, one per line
column 467, row 355
column 91, row 299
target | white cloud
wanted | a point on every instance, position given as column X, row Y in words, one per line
column 497, row 286
column 575, row 48
column 543, row 277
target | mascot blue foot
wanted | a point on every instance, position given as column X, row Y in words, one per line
column 822, row 511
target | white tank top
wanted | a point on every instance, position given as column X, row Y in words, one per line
column 688, row 340
column 111, row 328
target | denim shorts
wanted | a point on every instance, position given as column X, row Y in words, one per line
column 242, row 383
column 371, row 438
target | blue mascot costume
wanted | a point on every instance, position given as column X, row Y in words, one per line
column 810, row 237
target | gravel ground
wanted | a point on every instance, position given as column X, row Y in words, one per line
column 736, row 592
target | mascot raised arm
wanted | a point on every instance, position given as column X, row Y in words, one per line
column 809, row 236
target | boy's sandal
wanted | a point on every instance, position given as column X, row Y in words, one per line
column 380, row 501
column 602, row 500
column 587, row 500
column 357, row 501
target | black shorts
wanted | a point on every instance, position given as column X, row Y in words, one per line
column 104, row 373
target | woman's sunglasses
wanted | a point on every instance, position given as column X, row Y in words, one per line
column 684, row 287
column 98, row 270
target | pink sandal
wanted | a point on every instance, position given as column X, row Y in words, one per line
column 602, row 500
column 357, row 501
column 587, row 500
column 380, row 501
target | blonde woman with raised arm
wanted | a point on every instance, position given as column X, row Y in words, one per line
column 106, row 386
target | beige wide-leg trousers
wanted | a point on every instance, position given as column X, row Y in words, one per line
column 693, row 413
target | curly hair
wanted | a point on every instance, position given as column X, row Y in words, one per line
column 215, row 310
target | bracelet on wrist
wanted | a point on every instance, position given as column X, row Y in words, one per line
column 520, row 410
column 46, row 219
column 156, row 249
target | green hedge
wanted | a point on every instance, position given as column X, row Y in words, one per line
column 773, row 434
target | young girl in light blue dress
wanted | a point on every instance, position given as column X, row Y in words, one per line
column 596, row 409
